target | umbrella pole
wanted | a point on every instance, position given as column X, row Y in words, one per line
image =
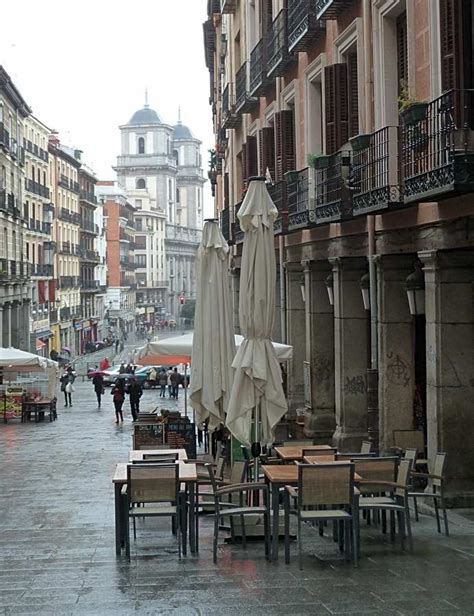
column 256, row 459
column 185, row 390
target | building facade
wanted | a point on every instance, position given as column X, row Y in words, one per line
column 15, row 294
column 360, row 115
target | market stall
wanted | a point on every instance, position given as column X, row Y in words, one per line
column 27, row 385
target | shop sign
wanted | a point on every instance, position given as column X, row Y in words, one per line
column 39, row 325
column 150, row 310
column 77, row 325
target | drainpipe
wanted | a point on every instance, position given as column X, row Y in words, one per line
column 281, row 250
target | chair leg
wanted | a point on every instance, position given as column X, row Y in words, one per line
column 438, row 523
column 392, row 527
column 408, row 524
column 287, row 527
column 300, row 553
column 266, row 531
column 347, row 540
column 181, row 538
column 134, row 529
column 445, row 515
column 415, row 506
column 401, row 528
column 127, row 535
column 244, row 536
column 216, row 532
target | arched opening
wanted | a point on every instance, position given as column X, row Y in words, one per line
column 141, row 183
column 141, row 145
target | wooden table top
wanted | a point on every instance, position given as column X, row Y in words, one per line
column 287, row 473
column 319, row 459
column 136, row 455
column 187, row 472
column 295, row 452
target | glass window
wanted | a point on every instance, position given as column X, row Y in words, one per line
column 141, row 145
column 141, row 183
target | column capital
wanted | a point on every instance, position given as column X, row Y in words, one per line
column 293, row 266
column 429, row 259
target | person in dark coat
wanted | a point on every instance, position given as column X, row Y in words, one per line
column 98, row 382
column 118, row 396
column 135, row 392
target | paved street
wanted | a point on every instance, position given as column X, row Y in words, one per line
column 57, row 553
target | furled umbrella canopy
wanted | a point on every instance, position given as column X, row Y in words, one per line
column 257, row 380
column 213, row 342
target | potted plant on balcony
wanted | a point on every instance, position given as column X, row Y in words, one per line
column 291, row 176
column 318, row 161
column 360, row 142
column 411, row 110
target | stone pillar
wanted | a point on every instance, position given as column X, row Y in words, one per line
column 351, row 357
column 7, row 325
column 276, row 333
column 319, row 313
column 296, row 332
column 450, row 367
column 396, row 348
column 1, row 324
column 15, row 324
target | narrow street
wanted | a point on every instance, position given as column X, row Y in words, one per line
column 57, row 553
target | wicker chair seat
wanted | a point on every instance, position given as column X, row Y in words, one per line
column 241, row 510
column 325, row 514
column 155, row 510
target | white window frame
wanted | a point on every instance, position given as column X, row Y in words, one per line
column 288, row 95
column 314, row 72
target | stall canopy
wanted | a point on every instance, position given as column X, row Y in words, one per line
column 11, row 358
column 181, row 347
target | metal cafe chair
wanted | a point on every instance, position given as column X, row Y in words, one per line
column 325, row 492
column 435, row 490
column 156, row 487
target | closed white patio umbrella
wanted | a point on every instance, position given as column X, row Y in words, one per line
column 213, row 345
column 257, row 397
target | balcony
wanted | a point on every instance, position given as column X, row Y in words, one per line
column 258, row 69
column 438, row 150
column 89, row 226
column 278, row 193
column 228, row 6
column 63, row 181
column 300, row 216
column 243, row 103
column 333, row 199
column 88, row 197
column 278, row 56
column 9, row 204
column 237, row 233
column 38, row 226
column 13, row 269
column 226, row 225
column 41, row 270
column 32, row 148
column 66, row 248
column 229, row 118
column 91, row 256
column 37, row 188
column 89, row 286
column 331, row 9
column 4, row 137
column 68, row 216
column 68, row 282
column 374, row 173
column 303, row 27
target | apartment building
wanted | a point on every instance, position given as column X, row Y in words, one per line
column 360, row 114
column 14, row 269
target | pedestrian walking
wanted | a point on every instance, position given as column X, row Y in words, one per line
column 67, row 385
column 168, row 381
column 118, row 396
column 122, row 369
column 135, row 392
column 163, row 382
column 98, row 382
column 174, row 378
column 152, row 377
column 104, row 364
column 117, row 343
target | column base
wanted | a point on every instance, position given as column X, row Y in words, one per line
column 320, row 426
column 348, row 441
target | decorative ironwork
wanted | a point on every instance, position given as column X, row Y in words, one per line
column 258, row 69
column 229, row 118
column 225, row 224
column 333, row 199
column 298, row 199
column 303, row 27
column 330, row 9
column 278, row 195
column 243, row 101
column 438, row 150
column 278, row 56
column 374, row 176
column 237, row 233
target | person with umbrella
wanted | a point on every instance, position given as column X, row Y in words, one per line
column 118, row 396
column 135, row 392
column 98, row 383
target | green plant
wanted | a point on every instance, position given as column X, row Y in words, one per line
column 317, row 161
column 404, row 98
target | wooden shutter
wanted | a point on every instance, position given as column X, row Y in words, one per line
column 452, row 56
column 402, row 52
column 226, row 191
column 285, row 150
column 266, row 15
column 243, row 164
column 42, row 291
column 336, row 106
column 353, row 94
column 251, row 157
column 267, row 151
column 51, row 290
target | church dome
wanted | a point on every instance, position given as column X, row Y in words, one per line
column 182, row 132
column 145, row 116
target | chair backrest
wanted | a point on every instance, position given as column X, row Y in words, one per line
column 376, row 469
column 160, row 457
column 220, row 467
column 403, row 475
column 365, row 447
column 404, row 439
column 312, row 451
column 438, row 468
column 325, row 484
column 355, row 456
column 239, row 472
column 154, row 446
column 295, row 443
column 410, row 454
column 152, row 483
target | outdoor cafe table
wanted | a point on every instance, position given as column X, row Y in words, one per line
column 277, row 476
column 187, row 475
column 136, row 455
column 290, row 453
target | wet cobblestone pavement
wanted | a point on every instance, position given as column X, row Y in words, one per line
column 57, row 551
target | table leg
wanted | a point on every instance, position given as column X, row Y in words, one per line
column 275, row 519
column 193, row 519
column 118, row 519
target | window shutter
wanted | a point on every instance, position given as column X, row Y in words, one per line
column 285, row 142
column 226, row 191
column 52, row 290
column 251, row 157
column 267, row 151
column 42, row 291
column 402, row 52
column 451, row 44
column 336, row 106
column 353, row 94
column 243, row 162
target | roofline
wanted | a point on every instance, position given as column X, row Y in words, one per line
column 13, row 93
column 62, row 154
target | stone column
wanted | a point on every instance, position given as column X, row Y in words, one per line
column 396, row 344
column 15, row 324
column 7, row 329
column 450, row 367
column 350, row 354
column 276, row 334
column 319, row 318
column 1, row 324
column 296, row 332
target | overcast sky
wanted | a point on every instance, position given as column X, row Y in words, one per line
column 83, row 68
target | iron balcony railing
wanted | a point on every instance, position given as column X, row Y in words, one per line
column 68, row 216
column 278, row 193
column 437, row 148
column 237, row 233
column 374, row 175
column 87, row 196
column 258, row 69
column 89, row 255
column 41, row 270
column 37, row 188
column 278, row 56
column 332, row 193
column 4, row 137
column 89, row 285
column 68, row 282
column 299, row 213
column 10, row 268
column 226, row 224
column 243, row 101
column 303, row 27
column 229, row 117
column 331, row 9
column 34, row 149
column 39, row 226
column 88, row 225
column 9, row 204
column 63, row 181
